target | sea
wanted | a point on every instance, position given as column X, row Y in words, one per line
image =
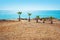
column 7, row 14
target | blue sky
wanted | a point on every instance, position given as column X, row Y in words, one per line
column 25, row 5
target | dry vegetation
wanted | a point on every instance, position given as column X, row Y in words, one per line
column 29, row 30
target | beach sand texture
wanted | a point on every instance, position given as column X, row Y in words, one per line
column 25, row 30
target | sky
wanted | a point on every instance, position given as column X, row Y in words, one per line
column 25, row 5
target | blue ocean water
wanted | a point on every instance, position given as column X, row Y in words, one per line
column 6, row 14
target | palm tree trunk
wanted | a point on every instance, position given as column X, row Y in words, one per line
column 43, row 21
column 51, row 21
column 29, row 19
column 36, row 20
column 19, row 18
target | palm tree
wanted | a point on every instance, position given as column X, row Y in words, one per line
column 29, row 14
column 44, row 19
column 19, row 13
column 37, row 17
column 51, row 19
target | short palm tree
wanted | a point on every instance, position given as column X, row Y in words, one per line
column 51, row 19
column 29, row 14
column 19, row 13
column 37, row 17
column 44, row 19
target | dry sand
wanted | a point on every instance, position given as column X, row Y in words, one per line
column 25, row 30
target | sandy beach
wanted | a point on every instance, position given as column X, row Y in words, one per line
column 25, row 30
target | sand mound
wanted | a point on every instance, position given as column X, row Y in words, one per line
column 29, row 31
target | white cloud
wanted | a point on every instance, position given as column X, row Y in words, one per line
column 29, row 8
